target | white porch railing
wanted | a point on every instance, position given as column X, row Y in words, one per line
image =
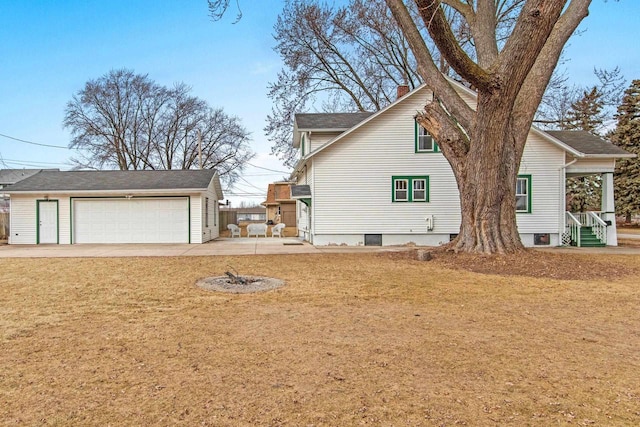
column 573, row 226
column 577, row 220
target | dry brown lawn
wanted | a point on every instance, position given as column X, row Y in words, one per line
column 629, row 230
column 351, row 339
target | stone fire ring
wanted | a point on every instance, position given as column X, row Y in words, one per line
column 224, row 284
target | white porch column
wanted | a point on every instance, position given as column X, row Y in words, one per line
column 608, row 208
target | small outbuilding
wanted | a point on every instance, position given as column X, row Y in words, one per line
column 169, row 206
column 281, row 208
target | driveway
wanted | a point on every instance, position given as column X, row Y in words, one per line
column 221, row 246
column 236, row 246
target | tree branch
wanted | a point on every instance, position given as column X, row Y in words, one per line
column 440, row 31
column 427, row 68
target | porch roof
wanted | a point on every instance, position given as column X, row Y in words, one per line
column 588, row 144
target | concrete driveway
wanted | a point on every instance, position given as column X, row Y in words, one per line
column 221, row 246
column 228, row 246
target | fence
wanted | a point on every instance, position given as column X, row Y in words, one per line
column 4, row 225
column 226, row 218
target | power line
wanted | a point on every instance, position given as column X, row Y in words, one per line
column 267, row 169
column 34, row 143
column 29, row 162
column 250, row 184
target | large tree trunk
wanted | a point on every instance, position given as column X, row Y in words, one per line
column 484, row 147
column 487, row 181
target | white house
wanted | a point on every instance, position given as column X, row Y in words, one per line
column 175, row 206
column 380, row 179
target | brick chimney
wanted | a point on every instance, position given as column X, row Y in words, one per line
column 402, row 91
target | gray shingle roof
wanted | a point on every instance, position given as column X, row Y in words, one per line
column 587, row 143
column 298, row 191
column 11, row 176
column 115, row 180
column 329, row 121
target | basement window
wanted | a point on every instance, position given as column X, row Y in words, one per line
column 373, row 239
column 541, row 239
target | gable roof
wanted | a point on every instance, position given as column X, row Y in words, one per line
column 100, row 181
column 594, row 146
column 329, row 121
column 325, row 122
column 588, row 144
column 365, row 118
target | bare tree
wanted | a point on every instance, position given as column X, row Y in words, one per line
column 509, row 68
column 347, row 59
column 352, row 58
column 484, row 146
column 561, row 100
column 129, row 122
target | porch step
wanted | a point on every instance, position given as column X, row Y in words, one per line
column 589, row 240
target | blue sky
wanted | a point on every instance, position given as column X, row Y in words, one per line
column 49, row 49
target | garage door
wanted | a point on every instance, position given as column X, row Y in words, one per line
column 135, row 220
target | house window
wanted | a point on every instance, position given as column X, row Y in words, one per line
column 424, row 142
column 410, row 188
column 419, row 190
column 523, row 194
column 206, row 212
column 401, row 190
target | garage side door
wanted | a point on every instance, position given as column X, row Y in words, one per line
column 152, row 220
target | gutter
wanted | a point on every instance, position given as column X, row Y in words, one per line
column 176, row 191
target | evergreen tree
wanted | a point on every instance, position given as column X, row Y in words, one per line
column 586, row 113
column 627, row 136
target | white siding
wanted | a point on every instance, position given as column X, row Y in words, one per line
column 316, row 140
column 352, row 185
column 353, row 180
column 64, row 216
column 543, row 161
column 304, row 213
column 213, row 231
column 23, row 220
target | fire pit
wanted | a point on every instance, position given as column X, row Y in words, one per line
column 234, row 283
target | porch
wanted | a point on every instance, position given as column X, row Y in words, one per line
column 587, row 229
column 593, row 228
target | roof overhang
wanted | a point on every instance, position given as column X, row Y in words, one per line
column 300, row 192
column 176, row 192
column 609, row 156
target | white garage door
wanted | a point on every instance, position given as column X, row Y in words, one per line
column 152, row 220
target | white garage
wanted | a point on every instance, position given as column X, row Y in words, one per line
column 134, row 220
column 78, row 207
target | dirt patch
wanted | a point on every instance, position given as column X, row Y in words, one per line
column 253, row 284
column 528, row 263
